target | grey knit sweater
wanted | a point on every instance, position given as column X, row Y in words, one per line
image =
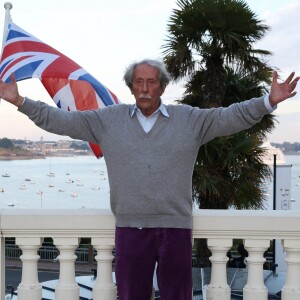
column 150, row 174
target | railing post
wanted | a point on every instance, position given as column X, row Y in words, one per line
column 29, row 288
column 2, row 267
column 67, row 288
column 104, row 287
column 255, row 287
column 218, row 289
column 291, row 289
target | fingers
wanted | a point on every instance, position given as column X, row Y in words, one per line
column 295, row 81
column 293, row 84
column 275, row 77
column 12, row 78
column 292, row 94
column 289, row 79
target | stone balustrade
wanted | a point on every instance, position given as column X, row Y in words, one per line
column 219, row 227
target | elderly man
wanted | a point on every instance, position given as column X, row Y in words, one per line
column 150, row 150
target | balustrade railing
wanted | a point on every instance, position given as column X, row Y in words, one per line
column 220, row 228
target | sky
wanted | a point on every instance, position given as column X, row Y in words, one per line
column 105, row 36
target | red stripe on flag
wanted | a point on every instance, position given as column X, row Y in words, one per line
column 53, row 85
column 84, row 95
column 66, row 67
column 27, row 46
column 96, row 149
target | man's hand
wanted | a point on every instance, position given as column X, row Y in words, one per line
column 282, row 91
column 9, row 92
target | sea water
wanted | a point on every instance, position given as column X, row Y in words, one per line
column 82, row 182
column 54, row 182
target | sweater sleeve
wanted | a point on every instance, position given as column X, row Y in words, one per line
column 210, row 123
column 81, row 125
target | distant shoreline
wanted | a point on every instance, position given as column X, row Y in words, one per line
column 291, row 153
column 28, row 157
column 21, row 157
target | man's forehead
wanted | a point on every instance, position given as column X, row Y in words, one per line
column 146, row 70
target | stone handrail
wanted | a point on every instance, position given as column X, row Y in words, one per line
column 66, row 227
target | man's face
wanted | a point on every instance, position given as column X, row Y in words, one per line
column 146, row 88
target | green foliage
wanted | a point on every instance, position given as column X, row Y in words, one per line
column 229, row 172
column 6, row 143
column 79, row 146
column 206, row 35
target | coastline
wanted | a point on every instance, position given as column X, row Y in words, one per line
column 28, row 157
column 21, row 157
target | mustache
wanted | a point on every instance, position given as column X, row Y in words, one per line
column 145, row 96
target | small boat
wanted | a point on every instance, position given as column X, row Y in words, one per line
column 74, row 195
column 69, row 181
column 79, row 184
column 27, row 179
column 1, row 190
column 60, row 190
column 51, row 186
column 11, row 204
column 39, row 192
column 5, row 175
column 22, row 187
column 96, row 188
column 51, row 174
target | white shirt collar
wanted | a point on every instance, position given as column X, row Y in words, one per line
column 162, row 109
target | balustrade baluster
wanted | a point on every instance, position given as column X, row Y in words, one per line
column 291, row 289
column 104, row 287
column 67, row 288
column 29, row 288
column 218, row 289
column 255, row 287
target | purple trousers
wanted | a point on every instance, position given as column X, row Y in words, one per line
column 138, row 251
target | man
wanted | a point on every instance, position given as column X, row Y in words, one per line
column 150, row 150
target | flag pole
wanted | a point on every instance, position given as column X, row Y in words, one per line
column 8, row 6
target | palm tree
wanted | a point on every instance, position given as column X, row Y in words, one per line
column 211, row 45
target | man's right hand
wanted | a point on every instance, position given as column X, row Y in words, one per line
column 10, row 93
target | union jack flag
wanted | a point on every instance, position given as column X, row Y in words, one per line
column 70, row 86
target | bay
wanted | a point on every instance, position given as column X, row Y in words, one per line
column 76, row 182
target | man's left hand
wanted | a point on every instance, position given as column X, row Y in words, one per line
column 282, row 91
